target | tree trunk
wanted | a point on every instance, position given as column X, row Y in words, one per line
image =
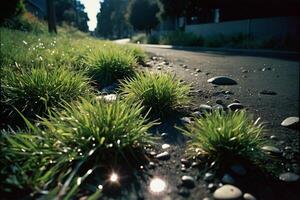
column 51, row 17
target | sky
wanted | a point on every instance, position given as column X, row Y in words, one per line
column 92, row 8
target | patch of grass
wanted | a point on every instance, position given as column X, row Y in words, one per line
column 226, row 137
column 107, row 65
column 26, row 22
column 35, row 90
column 68, row 146
column 29, row 49
column 137, row 52
column 162, row 93
column 181, row 38
column 170, row 38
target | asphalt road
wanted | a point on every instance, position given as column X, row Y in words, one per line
column 254, row 72
column 262, row 73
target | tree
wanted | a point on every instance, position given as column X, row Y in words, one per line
column 11, row 8
column 111, row 19
column 144, row 15
column 51, row 17
column 71, row 12
column 173, row 8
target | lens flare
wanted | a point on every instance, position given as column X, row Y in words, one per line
column 114, row 177
column 157, row 185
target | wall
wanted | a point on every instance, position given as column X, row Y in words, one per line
column 265, row 27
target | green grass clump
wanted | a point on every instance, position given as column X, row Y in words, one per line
column 71, row 144
column 110, row 64
column 137, row 52
column 161, row 93
column 181, row 38
column 226, row 137
column 35, row 90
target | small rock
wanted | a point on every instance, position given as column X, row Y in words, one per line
column 228, row 192
column 184, row 192
column 212, row 187
column 228, row 92
column 291, row 122
column 222, row 80
column 228, row 179
column 245, row 71
column 152, row 153
column 235, row 106
column 236, row 101
column 218, row 107
column 183, row 169
column 195, row 164
column 273, row 137
column 205, row 108
column 248, row 196
column 158, row 68
column 184, row 66
column 164, row 135
column 188, row 181
column 184, row 161
column 208, row 177
column 165, row 146
column 186, row 120
column 152, row 165
column 266, row 68
column 206, row 198
column 267, row 92
column 109, row 89
column 289, row 177
column 163, row 156
column 197, row 114
column 198, row 70
column 238, row 169
column 288, row 148
column 272, row 150
column 219, row 101
column 108, row 98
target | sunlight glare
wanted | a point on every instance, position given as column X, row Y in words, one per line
column 114, row 177
column 157, row 185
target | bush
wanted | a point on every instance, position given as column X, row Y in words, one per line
column 181, row 38
column 108, row 65
column 225, row 137
column 34, row 91
column 161, row 93
column 26, row 22
column 72, row 144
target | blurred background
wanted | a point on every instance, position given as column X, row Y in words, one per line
column 272, row 24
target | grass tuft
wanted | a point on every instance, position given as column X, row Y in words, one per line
column 161, row 93
column 137, row 52
column 35, row 90
column 109, row 65
column 72, row 144
column 222, row 137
